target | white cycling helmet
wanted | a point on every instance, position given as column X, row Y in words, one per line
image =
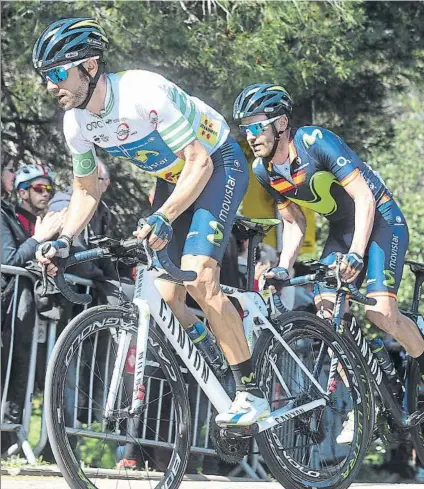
column 31, row 171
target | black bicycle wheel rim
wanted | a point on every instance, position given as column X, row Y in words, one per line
column 415, row 402
column 55, row 384
column 288, row 471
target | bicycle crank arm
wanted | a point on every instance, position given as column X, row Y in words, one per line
column 280, row 416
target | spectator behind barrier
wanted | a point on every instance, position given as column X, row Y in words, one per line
column 19, row 244
column 21, row 235
column 102, row 272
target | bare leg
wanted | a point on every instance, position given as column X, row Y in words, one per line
column 386, row 316
column 175, row 295
column 223, row 317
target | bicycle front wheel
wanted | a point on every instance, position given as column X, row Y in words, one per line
column 87, row 445
column 304, row 451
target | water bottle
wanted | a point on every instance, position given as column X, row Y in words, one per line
column 204, row 342
column 386, row 364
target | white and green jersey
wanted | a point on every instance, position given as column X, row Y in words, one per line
column 148, row 120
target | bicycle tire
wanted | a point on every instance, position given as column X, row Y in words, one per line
column 370, row 395
column 414, row 403
column 54, row 396
column 300, row 326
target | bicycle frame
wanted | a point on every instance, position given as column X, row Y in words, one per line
column 149, row 302
column 374, row 372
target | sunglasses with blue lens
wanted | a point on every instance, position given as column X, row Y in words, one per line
column 60, row 73
column 257, row 128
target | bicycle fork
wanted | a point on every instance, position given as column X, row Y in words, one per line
column 124, row 341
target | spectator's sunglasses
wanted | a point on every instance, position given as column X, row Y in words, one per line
column 41, row 187
column 257, row 128
column 60, row 73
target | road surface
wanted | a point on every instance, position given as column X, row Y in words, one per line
column 28, row 482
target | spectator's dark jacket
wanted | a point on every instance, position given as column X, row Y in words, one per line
column 17, row 249
column 17, row 246
column 99, row 224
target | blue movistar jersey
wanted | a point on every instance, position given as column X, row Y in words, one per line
column 320, row 165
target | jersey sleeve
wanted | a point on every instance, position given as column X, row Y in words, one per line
column 84, row 159
column 262, row 177
column 171, row 108
column 332, row 153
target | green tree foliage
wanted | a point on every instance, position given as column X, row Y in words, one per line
column 345, row 63
column 402, row 168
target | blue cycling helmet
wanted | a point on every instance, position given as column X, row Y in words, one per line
column 262, row 98
column 68, row 40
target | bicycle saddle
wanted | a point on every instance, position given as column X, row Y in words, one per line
column 255, row 225
column 416, row 267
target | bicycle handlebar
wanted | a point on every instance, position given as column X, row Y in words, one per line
column 327, row 274
column 118, row 250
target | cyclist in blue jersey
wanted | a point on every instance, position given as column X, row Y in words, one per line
column 312, row 167
column 144, row 118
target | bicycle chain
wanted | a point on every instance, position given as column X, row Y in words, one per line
column 230, row 450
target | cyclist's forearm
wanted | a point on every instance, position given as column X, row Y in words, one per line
column 192, row 181
column 364, row 222
column 84, row 201
column 293, row 236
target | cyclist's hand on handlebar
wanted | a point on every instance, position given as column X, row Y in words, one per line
column 278, row 273
column 48, row 250
column 351, row 266
column 158, row 227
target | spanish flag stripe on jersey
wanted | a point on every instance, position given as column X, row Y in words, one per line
column 382, row 294
column 282, row 185
column 346, row 180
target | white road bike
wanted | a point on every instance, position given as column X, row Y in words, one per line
column 149, row 411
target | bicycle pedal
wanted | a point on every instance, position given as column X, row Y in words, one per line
column 240, row 431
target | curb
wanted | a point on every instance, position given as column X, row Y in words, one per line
column 54, row 471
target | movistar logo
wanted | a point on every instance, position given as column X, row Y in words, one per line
column 310, row 139
column 248, row 380
column 390, row 279
column 218, row 235
column 323, row 202
column 143, row 155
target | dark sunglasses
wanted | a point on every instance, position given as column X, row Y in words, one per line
column 257, row 128
column 40, row 188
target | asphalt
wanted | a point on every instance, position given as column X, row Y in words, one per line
column 201, row 482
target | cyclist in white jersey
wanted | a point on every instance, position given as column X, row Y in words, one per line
column 142, row 117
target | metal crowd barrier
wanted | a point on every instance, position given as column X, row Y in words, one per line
column 200, row 405
column 21, row 430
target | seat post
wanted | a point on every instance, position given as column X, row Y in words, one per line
column 254, row 240
column 419, row 280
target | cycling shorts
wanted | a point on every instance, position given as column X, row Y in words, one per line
column 205, row 227
column 385, row 253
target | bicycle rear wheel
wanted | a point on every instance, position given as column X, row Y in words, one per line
column 303, row 452
column 87, row 446
column 415, row 398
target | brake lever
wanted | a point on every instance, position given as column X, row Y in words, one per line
column 43, row 280
column 103, row 241
column 149, row 255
